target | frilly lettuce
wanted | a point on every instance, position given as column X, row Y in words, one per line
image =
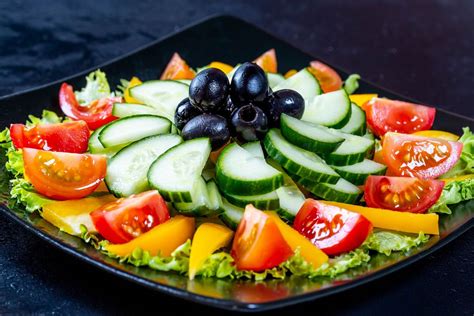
column 352, row 83
column 453, row 193
column 96, row 87
column 465, row 164
column 24, row 193
column 47, row 117
column 386, row 241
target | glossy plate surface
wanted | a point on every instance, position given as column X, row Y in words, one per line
column 233, row 41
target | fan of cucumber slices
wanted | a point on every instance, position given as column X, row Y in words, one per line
column 291, row 164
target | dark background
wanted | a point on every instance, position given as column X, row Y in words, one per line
column 422, row 50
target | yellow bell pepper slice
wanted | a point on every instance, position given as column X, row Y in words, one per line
column 162, row 239
column 458, row 178
column 393, row 220
column 360, row 99
column 290, row 73
column 69, row 215
column 222, row 66
column 295, row 240
column 438, row 134
column 128, row 98
column 208, row 238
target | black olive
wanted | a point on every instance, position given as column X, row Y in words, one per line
column 184, row 113
column 228, row 109
column 283, row 101
column 209, row 89
column 208, row 125
column 250, row 123
column 249, row 84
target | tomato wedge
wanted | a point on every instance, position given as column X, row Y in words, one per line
column 63, row 176
column 258, row 243
column 127, row 218
column 69, row 137
column 95, row 114
column 177, row 69
column 384, row 115
column 416, row 156
column 401, row 193
column 328, row 78
column 268, row 61
column 332, row 229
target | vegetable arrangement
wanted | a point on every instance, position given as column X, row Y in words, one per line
column 239, row 172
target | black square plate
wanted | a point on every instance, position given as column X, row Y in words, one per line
column 230, row 40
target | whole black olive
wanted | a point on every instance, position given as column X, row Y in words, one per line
column 249, row 84
column 209, row 89
column 228, row 108
column 249, row 123
column 208, row 125
column 184, row 113
column 284, row 101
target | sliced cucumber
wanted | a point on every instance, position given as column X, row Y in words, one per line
column 353, row 150
column 343, row 191
column 200, row 204
column 274, row 79
column 239, row 172
column 312, row 137
column 302, row 82
column 163, row 95
column 215, row 199
column 297, row 160
column 96, row 147
column 231, row 214
column 130, row 109
column 185, row 81
column 332, row 109
column 176, row 172
column 267, row 201
column 232, row 72
column 132, row 128
column 127, row 170
column 356, row 124
column 255, row 148
column 358, row 173
column 291, row 199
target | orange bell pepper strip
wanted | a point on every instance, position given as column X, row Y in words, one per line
column 438, row 134
column 360, row 99
column 162, row 239
column 222, row 66
column 458, row 178
column 290, row 73
column 394, row 220
column 208, row 238
column 126, row 95
column 295, row 240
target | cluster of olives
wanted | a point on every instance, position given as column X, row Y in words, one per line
column 246, row 107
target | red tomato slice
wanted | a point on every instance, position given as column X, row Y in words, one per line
column 384, row 115
column 332, row 229
column 328, row 78
column 402, row 194
column 267, row 61
column 95, row 114
column 63, row 176
column 127, row 218
column 258, row 243
column 70, row 137
column 416, row 156
column 177, row 69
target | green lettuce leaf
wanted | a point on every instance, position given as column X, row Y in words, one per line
column 453, row 193
column 124, row 83
column 96, row 87
column 47, row 117
column 24, row 193
column 465, row 164
column 14, row 163
column 386, row 242
column 352, row 83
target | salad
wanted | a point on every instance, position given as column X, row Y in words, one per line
column 239, row 171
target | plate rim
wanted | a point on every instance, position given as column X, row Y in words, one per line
column 227, row 304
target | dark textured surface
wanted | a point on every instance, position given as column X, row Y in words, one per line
column 426, row 55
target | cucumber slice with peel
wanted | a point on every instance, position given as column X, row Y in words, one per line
column 127, row 170
column 96, row 147
column 304, row 83
column 241, row 173
column 332, row 109
column 298, row 160
column 267, row 201
column 200, row 204
column 231, row 215
column 274, row 79
column 176, row 173
column 291, row 199
column 130, row 109
column 255, row 148
column 353, row 150
column 358, row 173
column 356, row 124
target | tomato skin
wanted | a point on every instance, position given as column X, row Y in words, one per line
column 95, row 114
column 70, row 137
column 177, row 69
column 268, row 61
column 384, row 115
column 332, row 229
column 401, row 193
column 63, row 176
column 328, row 78
column 127, row 218
column 258, row 243
column 409, row 155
